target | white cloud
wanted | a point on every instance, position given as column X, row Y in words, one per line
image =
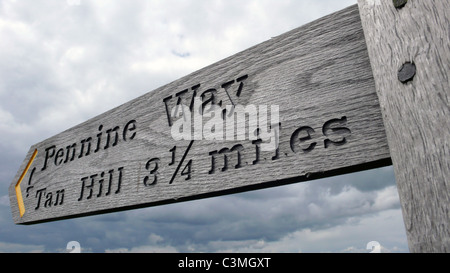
column 155, row 245
column 347, row 237
column 350, row 236
column 144, row 249
column 386, row 198
column 72, row 55
column 20, row 248
column 4, row 200
column 307, row 217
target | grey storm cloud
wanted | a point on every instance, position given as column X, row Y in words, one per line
column 63, row 62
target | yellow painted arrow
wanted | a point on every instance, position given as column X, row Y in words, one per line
column 17, row 187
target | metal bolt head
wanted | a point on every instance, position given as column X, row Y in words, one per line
column 407, row 72
column 399, row 3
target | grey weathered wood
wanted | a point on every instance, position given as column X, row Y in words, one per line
column 416, row 113
column 315, row 73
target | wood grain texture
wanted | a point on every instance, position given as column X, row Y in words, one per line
column 320, row 77
column 416, row 113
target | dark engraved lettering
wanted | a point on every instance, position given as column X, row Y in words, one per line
column 169, row 118
column 186, row 152
column 180, row 97
column 100, row 182
column 173, row 150
column 119, row 180
column 58, row 157
column 83, row 185
column 238, row 148
column 48, row 155
column 59, row 200
column 257, row 144
column 226, row 152
column 48, row 200
column 187, row 170
column 116, row 139
column 194, row 94
column 29, row 182
column 68, row 149
column 277, row 128
column 301, row 135
column 213, row 161
column 273, row 142
column 59, row 197
column 39, row 193
column 207, row 97
column 226, row 86
column 99, row 138
column 224, row 112
column 211, row 100
column 152, row 165
column 329, row 131
column 91, row 186
column 277, row 154
column 179, row 103
column 240, row 80
column 88, row 150
column 129, row 129
column 82, row 188
column 110, row 172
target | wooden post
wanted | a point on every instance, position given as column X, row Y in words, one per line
column 409, row 49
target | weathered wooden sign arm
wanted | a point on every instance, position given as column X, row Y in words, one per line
column 297, row 107
column 301, row 106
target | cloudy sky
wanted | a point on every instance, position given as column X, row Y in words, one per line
column 65, row 61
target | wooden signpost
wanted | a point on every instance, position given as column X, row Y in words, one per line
column 409, row 49
column 301, row 106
